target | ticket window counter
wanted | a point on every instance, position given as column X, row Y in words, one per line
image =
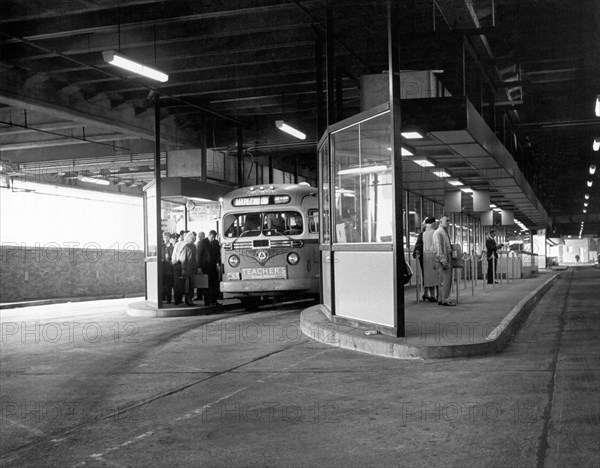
column 357, row 206
column 178, row 213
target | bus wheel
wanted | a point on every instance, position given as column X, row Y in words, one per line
column 250, row 303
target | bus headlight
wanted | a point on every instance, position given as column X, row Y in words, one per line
column 234, row 261
column 293, row 258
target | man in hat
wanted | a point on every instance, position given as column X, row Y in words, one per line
column 492, row 255
column 442, row 257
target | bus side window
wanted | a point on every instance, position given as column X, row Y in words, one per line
column 313, row 221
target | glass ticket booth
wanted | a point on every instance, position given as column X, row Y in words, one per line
column 357, row 215
column 186, row 205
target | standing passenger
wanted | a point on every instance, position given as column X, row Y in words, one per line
column 211, row 262
column 492, row 255
column 430, row 276
column 166, row 251
column 199, row 254
column 189, row 265
column 442, row 256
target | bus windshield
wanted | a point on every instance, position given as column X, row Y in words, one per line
column 273, row 223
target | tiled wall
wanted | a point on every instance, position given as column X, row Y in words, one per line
column 33, row 273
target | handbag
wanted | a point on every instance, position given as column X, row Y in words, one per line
column 457, row 256
column 406, row 273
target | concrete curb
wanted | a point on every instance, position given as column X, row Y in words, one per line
column 143, row 309
column 63, row 300
column 315, row 324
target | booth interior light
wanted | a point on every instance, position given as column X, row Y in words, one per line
column 119, row 60
column 364, row 170
column 281, row 125
column 403, row 151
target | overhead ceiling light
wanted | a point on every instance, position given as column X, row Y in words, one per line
column 441, row 173
column 423, row 162
column 584, row 210
column 281, row 125
column 492, row 205
column 466, row 190
column 498, row 210
column 589, row 183
column 596, row 144
column 93, row 180
column 585, row 204
column 455, row 182
column 364, row 170
column 587, row 196
column 119, row 60
column 412, row 135
column 597, row 109
column 592, row 169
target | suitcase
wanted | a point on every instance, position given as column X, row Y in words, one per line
column 200, row 281
column 181, row 285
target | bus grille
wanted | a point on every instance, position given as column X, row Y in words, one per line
column 261, row 244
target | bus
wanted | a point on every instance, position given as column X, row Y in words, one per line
column 270, row 243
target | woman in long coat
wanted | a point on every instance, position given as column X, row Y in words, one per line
column 189, row 264
column 430, row 275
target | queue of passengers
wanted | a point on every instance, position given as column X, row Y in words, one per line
column 433, row 250
column 184, row 256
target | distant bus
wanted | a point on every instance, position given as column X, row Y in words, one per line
column 270, row 243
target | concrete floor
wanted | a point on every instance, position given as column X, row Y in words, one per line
column 85, row 385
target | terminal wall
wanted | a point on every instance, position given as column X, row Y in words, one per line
column 53, row 271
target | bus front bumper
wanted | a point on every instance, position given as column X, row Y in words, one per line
column 266, row 286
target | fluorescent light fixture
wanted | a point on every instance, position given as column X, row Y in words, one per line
column 281, row 125
column 585, row 204
column 364, row 170
column 466, row 190
column 423, row 162
column 119, row 60
column 587, row 196
column 412, row 135
column 589, row 183
column 455, row 182
column 492, row 205
column 597, row 109
column 592, row 169
column 441, row 173
column 498, row 210
column 93, row 180
column 584, row 210
column 596, row 144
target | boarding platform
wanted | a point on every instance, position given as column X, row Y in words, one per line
column 483, row 322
